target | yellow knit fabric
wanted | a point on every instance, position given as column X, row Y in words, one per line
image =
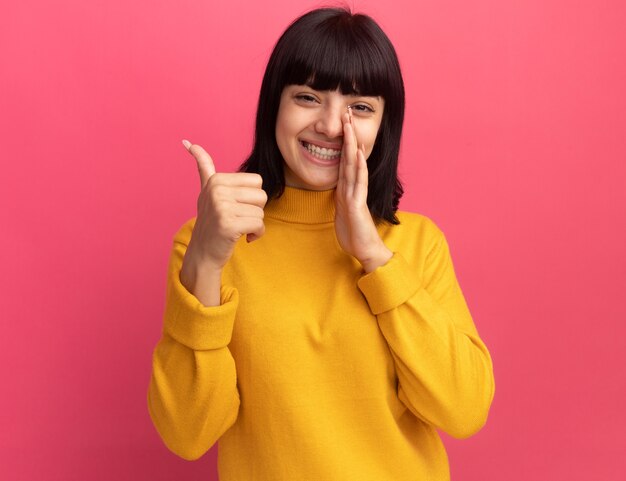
column 311, row 369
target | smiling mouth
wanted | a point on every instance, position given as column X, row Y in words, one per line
column 321, row 153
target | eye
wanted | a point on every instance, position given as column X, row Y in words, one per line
column 306, row 98
column 363, row 108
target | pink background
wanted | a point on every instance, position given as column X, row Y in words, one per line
column 514, row 144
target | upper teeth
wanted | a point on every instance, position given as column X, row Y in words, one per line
column 321, row 150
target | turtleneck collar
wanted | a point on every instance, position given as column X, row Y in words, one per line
column 302, row 206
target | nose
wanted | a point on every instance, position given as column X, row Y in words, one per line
column 329, row 122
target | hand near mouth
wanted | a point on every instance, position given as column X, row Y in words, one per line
column 354, row 225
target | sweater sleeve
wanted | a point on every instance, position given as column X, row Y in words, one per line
column 192, row 395
column 445, row 372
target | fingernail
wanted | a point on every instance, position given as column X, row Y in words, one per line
column 350, row 112
column 186, row 143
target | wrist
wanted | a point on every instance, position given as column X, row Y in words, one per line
column 193, row 268
column 203, row 280
column 380, row 258
column 199, row 262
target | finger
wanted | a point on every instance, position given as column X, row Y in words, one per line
column 360, row 189
column 251, row 237
column 340, row 175
column 240, row 179
column 249, row 210
column 355, row 136
column 251, row 226
column 349, row 154
column 249, row 195
column 206, row 167
column 353, row 126
column 239, row 194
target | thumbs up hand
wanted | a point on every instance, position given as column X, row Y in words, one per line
column 229, row 206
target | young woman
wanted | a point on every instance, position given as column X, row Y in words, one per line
column 335, row 342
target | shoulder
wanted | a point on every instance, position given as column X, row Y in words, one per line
column 416, row 237
column 183, row 234
column 420, row 225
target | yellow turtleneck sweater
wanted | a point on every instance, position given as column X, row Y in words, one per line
column 311, row 369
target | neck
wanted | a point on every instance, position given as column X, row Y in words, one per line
column 303, row 206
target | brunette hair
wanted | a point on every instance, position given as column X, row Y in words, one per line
column 326, row 49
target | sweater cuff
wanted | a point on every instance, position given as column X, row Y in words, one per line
column 195, row 325
column 389, row 285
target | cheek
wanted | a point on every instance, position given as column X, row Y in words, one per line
column 285, row 123
column 281, row 131
column 367, row 136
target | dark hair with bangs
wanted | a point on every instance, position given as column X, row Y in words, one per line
column 326, row 49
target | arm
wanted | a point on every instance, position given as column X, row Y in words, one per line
column 192, row 396
column 444, row 370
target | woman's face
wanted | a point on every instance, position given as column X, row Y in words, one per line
column 309, row 133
